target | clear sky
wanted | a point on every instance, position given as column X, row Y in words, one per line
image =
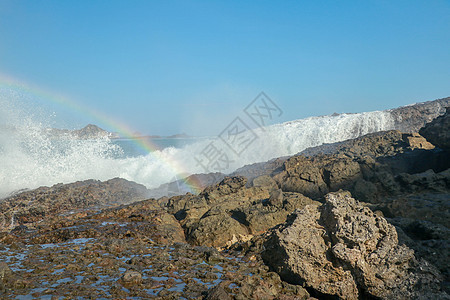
column 165, row 67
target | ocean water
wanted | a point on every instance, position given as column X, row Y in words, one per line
column 132, row 147
column 29, row 159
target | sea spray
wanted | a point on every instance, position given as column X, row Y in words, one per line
column 29, row 158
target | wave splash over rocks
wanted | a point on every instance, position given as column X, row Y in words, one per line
column 30, row 158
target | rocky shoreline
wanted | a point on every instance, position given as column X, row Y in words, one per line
column 367, row 218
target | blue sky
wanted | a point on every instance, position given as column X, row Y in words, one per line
column 165, row 67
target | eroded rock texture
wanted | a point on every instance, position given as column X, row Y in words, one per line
column 230, row 212
column 343, row 249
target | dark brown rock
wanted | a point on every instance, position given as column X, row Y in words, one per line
column 438, row 131
column 343, row 249
column 263, row 215
column 230, row 212
column 218, row 293
column 42, row 203
column 316, row 176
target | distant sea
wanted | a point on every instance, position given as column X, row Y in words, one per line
column 138, row 147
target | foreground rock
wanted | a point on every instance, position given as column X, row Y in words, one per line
column 230, row 212
column 343, row 249
column 131, row 251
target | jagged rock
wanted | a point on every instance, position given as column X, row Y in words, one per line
column 298, row 252
column 263, row 215
column 316, row 176
column 216, row 228
column 367, row 166
column 364, row 190
column 207, row 218
column 227, row 186
column 256, row 170
column 270, row 287
column 343, row 249
column 230, row 212
column 432, row 207
column 438, row 131
column 383, row 143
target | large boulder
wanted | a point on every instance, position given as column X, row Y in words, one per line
column 343, row 249
column 438, row 131
column 231, row 212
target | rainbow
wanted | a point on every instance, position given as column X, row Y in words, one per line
column 6, row 81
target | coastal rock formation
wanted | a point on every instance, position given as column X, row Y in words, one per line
column 32, row 206
column 88, row 132
column 411, row 118
column 407, row 119
column 438, row 131
column 372, row 167
column 230, row 212
column 128, row 251
column 96, row 239
column 343, row 249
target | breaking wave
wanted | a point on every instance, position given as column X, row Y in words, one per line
column 29, row 158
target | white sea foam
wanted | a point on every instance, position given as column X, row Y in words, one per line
column 29, row 159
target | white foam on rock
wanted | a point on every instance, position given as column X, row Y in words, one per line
column 29, row 158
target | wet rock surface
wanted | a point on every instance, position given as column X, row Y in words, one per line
column 97, row 268
column 136, row 250
column 32, row 206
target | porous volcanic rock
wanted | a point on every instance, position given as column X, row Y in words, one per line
column 343, row 249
